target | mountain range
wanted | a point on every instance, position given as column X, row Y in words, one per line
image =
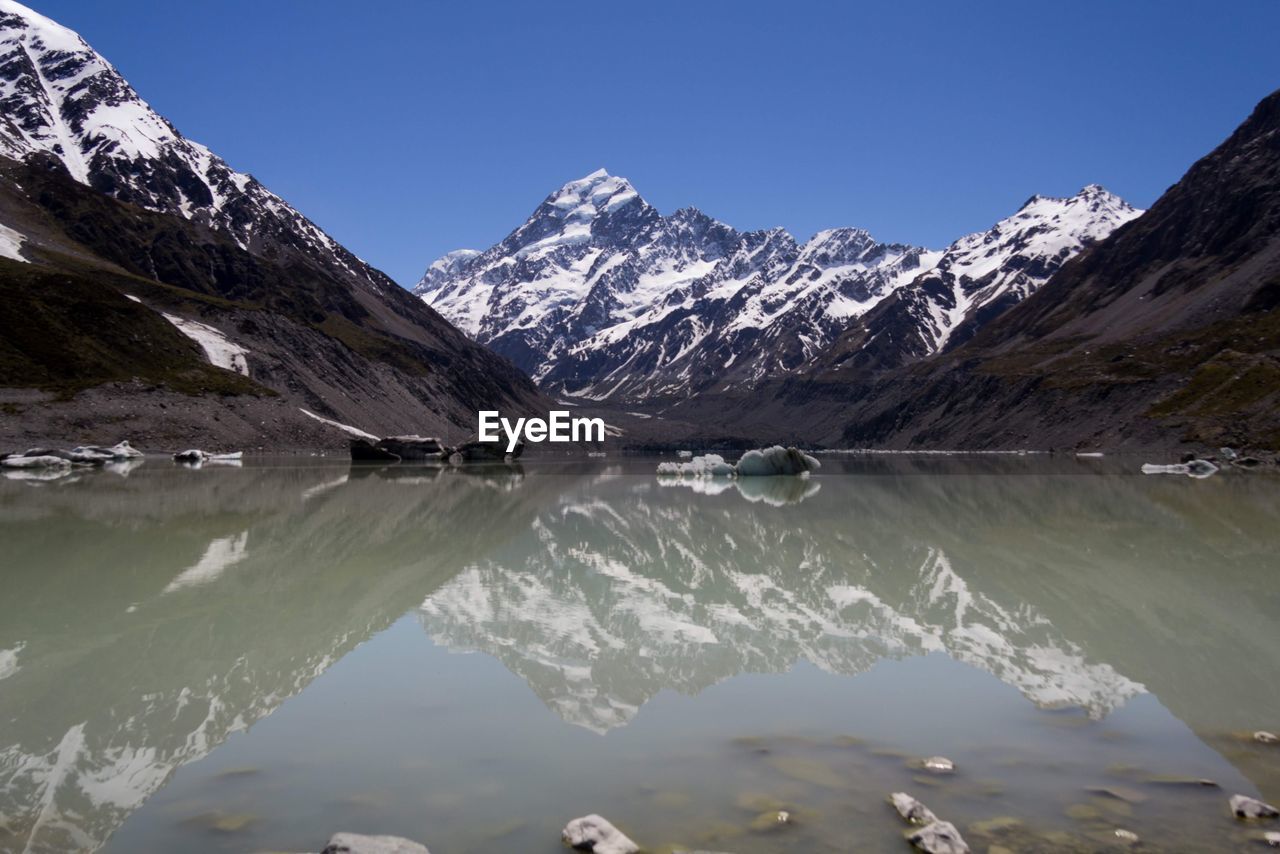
column 1074, row 323
column 1164, row 334
column 150, row 290
column 601, row 297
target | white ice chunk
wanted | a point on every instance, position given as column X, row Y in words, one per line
column 776, row 460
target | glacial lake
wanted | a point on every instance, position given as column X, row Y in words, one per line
column 252, row 658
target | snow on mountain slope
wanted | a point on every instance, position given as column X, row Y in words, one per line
column 980, row 276
column 599, row 295
column 89, row 171
column 61, row 98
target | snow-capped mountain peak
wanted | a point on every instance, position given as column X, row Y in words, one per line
column 596, row 193
column 600, row 296
column 60, row 98
column 72, row 102
column 980, row 276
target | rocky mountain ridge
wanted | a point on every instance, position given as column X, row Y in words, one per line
column 603, row 298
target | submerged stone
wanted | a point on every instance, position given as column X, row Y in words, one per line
column 1115, row 807
column 807, row 771
column 1119, row 793
column 355, row 843
column 1173, row 780
column 767, row 822
column 596, row 834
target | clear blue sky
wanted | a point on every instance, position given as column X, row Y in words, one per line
column 407, row 129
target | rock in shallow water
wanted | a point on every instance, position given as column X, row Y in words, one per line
column 1128, row 837
column 1246, row 807
column 939, row 837
column 355, row 843
column 912, row 810
column 939, row 765
column 596, row 834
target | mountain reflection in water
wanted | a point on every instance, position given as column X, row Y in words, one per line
column 146, row 618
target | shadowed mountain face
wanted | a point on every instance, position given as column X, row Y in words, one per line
column 149, row 617
column 1166, row 331
column 139, row 268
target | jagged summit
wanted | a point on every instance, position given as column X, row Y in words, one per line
column 600, row 296
column 977, row 278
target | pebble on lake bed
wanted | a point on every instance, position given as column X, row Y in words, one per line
column 596, row 834
column 1246, row 807
column 939, row 765
column 355, row 843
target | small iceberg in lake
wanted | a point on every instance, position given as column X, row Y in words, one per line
column 768, row 462
column 35, row 461
column 196, row 458
column 1194, row 468
column 82, row 455
column 776, row 476
column 707, row 465
column 776, row 460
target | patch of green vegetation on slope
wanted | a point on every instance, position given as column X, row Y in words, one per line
column 66, row 332
column 196, row 264
column 1221, row 381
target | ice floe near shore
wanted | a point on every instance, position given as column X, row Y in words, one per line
column 198, row 458
column 1194, row 468
column 707, row 465
column 766, row 462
